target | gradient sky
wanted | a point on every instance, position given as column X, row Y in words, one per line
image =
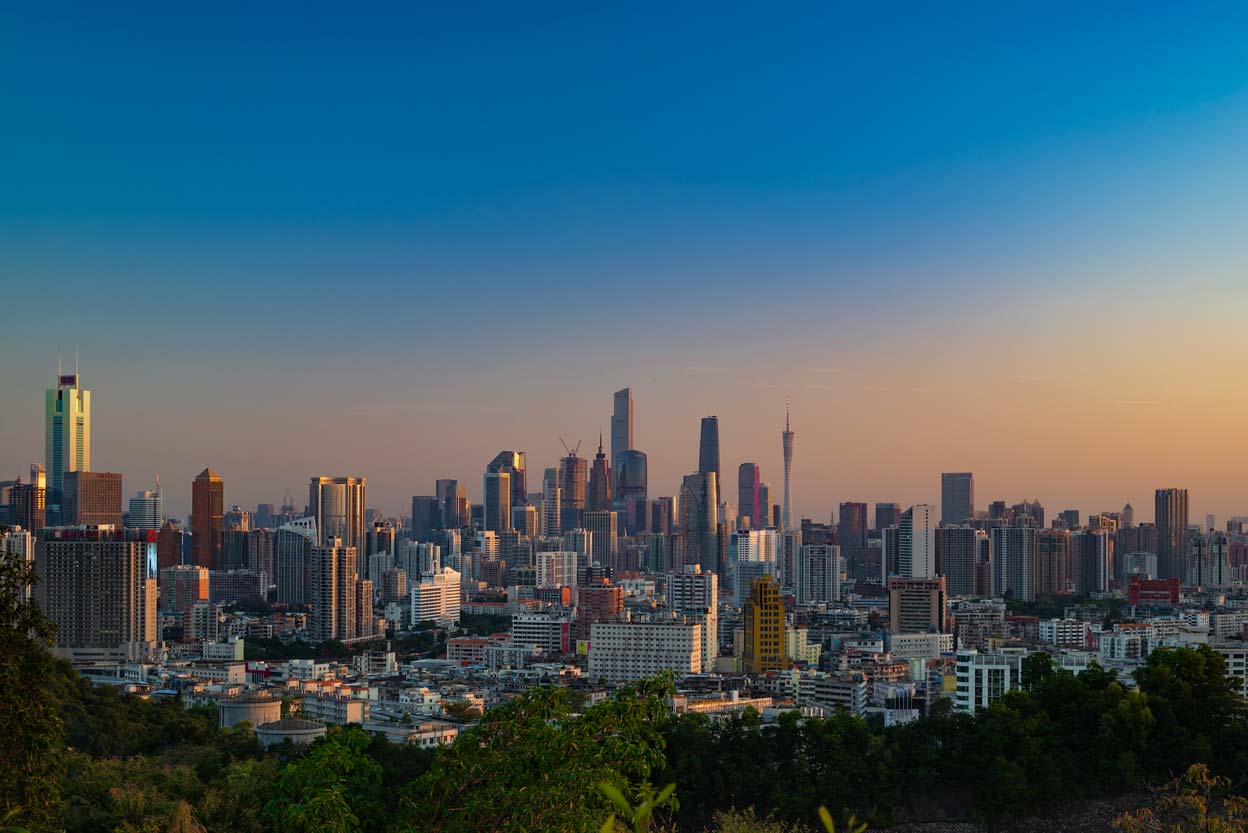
column 290, row 241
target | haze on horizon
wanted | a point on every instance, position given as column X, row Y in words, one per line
column 291, row 242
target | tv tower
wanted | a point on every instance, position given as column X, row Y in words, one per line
column 786, row 437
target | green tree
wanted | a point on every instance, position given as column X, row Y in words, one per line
column 336, row 788
column 32, row 737
column 533, row 765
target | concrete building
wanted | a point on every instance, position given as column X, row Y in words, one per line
column 556, row 569
column 694, row 595
column 818, row 574
column 334, row 593
column 337, row 506
column 207, row 519
column 1013, row 561
column 437, row 597
column 763, row 614
column 603, row 528
column 958, row 550
column 917, row 605
column 91, row 498
column 983, row 678
column 629, row 651
column 182, row 587
column 916, row 542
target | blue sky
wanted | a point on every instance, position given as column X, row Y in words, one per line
column 467, row 225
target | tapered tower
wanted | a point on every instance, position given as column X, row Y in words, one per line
column 786, row 516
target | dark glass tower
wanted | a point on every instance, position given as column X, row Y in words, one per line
column 708, row 447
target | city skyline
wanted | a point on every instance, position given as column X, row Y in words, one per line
column 1011, row 248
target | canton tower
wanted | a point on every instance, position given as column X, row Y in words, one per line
column 786, row 516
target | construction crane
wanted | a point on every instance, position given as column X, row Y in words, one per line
column 571, row 451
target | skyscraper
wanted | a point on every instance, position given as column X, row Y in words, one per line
column 631, row 477
column 708, row 447
column 98, row 586
column 67, row 435
column 749, row 507
column 1128, row 515
column 28, row 501
column 513, row 464
column 958, row 548
column 453, row 500
column 497, row 500
column 1171, row 521
column 292, row 552
column 699, row 515
column 957, row 498
column 621, row 429
column 1093, row 566
column 426, row 517
column 786, row 438
column 886, row 515
column 598, row 497
column 1052, row 558
column 337, row 505
column 1013, row 561
column 146, row 511
column 91, row 498
column 818, row 573
column 573, row 473
column 917, row 605
column 764, row 628
column 916, row 542
column 334, row 594
column 550, row 502
column 604, row 532
column 207, row 519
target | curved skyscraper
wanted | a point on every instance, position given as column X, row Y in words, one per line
column 786, row 516
column 708, row 447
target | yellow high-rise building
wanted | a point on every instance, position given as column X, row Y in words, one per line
column 764, row 628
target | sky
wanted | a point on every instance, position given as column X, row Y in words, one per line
column 288, row 240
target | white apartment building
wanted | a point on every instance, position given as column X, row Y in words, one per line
column 631, row 651
column 984, row 677
column 437, row 597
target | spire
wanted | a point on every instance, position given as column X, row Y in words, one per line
column 599, row 442
column 786, row 413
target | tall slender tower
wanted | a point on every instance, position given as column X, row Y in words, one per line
column 708, row 447
column 67, row 431
column 621, row 428
column 786, row 516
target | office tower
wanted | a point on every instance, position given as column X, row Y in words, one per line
column 699, row 514
column 337, row 506
column 524, row 521
column 851, row 535
column 237, row 518
column 1053, row 566
column 333, row 591
column 764, row 628
column 789, row 546
column 557, row 569
column 621, row 428
column 708, row 447
column 182, row 587
column 233, row 550
column 749, row 508
column 752, row 553
column 818, row 574
column 958, row 550
column 497, row 501
column 98, row 586
column 262, row 517
column 573, row 474
column 661, row 511
column 1128, row 516
column 631, row 476
column 512, row 463
column 292, row 555
column 426, row 517
column 207, row 519
column 786, row 439
column 694, row 596
column 1013, row 562
column 380, row 539
column 91, row 498
column 551, row 497
column 1069, row 519
column 453, row 501
column 67, row 436
column 957, row 498
column 917, row 605
column 1091, row 551
column 886, row 515
column 146, row 511
column 598, row 496
column 261, row 555
column 1207, row 562
column 581, row 542
column 28, row 501
column 1028, row 513
column 916, row 542
column 365, row 618
column 171, row 541
column 1171, row 522
column 604, row 532
column 890, row 552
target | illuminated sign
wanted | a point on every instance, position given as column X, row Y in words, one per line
column 71, row 379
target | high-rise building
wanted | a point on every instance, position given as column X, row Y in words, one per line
column 708, row 447
column 337, row 506
column 237, row 518
column 886, row 515
column 626, row 652
column 550, row 502
column 292, row 557
column 380, row 539
column 957, row 498
column 818, row 574
column 699, row 513
column 207, row 519
column 1093, row 564
column 146, row 511
column 764, row 628
column 182, row 587
column 917, row 543
column 1053, row 562
column 524, row 521
column 598, row 496
column 604, row 529
column 437, row 597
column 512, row 463
column 597, row 602
column 1171, row 522
column 1013, row 561
column 958, row 548
column 453, row 499
column 750, row 511
column 1128, row 516
column 694, row 595
column 631, row 477
column 573, row 474
column 334, row 593
column 497, row 500
column 98, row 586
column 786, row 516
column 28, row 501
column 170, row 543
column 67, row 436
column 752, row 553
column 426, row 517
column 1207, row 562
column 91, row 498
column 621, row 428
column 917, row 605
